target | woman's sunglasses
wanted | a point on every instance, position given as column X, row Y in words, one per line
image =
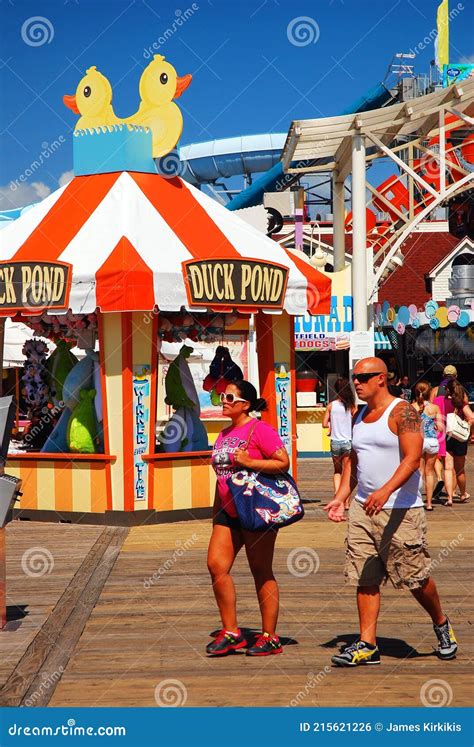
column 363, row 378
column 231, row 398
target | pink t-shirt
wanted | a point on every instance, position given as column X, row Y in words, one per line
column 264, row 441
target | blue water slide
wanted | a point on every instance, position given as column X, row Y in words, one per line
column 206, row 163
column 7, row 216
column 253, row 195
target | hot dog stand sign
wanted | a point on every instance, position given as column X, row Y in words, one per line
column 33, row 286
column 235, row 283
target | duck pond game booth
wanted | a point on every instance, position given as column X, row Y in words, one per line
column 141, row 272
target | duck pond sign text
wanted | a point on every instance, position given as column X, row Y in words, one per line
column 235, row 283
column 31, row 286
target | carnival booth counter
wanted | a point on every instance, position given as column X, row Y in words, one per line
column 142, row 271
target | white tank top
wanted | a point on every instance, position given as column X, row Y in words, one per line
column 378, row 458
column 341, row 422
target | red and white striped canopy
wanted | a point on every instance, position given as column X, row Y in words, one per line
column 126, row 234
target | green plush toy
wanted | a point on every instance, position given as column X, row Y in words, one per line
column 215, row 398
column 59, row 364
column 176, row 380
column 82, row 430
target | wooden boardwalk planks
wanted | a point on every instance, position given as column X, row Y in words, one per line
column 155, row 611
column 153, row 620
column 48, row 653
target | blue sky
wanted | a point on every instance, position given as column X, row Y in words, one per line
column 249, row 75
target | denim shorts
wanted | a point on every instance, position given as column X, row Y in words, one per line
column 340, row 448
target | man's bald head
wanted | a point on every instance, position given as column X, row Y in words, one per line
column 376, row 382
column 369, row 365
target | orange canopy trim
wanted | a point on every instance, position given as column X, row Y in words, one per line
column 126, row 235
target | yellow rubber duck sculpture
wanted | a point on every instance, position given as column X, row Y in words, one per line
column 159, row 85
column 93, row 101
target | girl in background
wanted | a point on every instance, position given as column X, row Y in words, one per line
column 338, row 420
column 432, row 421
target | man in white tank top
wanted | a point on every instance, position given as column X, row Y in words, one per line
column 386, row 537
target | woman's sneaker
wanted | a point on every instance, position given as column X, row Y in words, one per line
column 225, row 642
column 447, row 644
column 265, row 645
column 357, row 653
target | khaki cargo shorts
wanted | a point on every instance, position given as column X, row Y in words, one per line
column 390, row 545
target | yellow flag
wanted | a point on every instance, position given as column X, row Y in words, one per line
column 442, row 41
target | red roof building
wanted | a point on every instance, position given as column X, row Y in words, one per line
column 422, row 251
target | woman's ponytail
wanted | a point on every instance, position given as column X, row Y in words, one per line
column 260, row 405
column 422, row 393
column 247, row 391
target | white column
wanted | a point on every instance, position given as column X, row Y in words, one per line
column 359, row 235
column 442, row 151
column 338, row 221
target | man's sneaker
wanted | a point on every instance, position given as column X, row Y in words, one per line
column 225, row 642
column 265, row 645
column 447, row 644
column 358, row 653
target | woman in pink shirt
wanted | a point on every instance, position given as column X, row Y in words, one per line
column 265, row 452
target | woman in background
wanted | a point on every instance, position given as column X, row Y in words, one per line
column 454, row 468
column 338, row 420
column 432, row 421
column 437, row 396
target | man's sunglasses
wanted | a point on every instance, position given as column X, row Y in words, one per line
column 363, row 378
column 231, row 398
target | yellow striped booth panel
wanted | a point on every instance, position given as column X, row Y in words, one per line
column 183, row 483
column 61, row 486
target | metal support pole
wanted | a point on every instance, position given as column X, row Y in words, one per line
column 442, row 151
column 338, row 222
column 359, row 235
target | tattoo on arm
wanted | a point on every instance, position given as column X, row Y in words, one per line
column 409, row 420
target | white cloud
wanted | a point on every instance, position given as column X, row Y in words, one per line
column 65, row 178
column 22, row 194
column 41, row 189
